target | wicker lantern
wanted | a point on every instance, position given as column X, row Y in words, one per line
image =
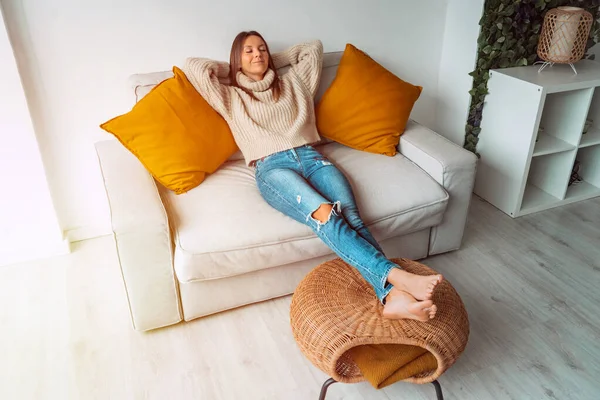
column 564, row 36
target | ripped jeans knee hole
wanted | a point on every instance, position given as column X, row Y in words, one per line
column 336, row 209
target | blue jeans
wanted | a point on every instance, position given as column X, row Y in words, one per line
column 297, row 182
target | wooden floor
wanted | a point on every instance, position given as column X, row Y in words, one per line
column 531, row 287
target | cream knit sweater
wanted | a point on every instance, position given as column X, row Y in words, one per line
column 262, row 126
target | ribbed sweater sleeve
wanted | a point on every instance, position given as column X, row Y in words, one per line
column 306, row 60
column 207, row 76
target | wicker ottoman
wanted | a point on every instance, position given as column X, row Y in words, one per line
column 336, row 321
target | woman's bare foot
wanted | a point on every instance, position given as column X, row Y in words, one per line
column 401, row 305
column 421, row 287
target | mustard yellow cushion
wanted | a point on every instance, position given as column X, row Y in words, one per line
column 175, row 134
column 385, row 364
column 366, row 107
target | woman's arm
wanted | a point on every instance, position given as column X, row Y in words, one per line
column 306, row 59
column 209, row 78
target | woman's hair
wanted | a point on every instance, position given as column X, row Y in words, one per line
column 235, row 62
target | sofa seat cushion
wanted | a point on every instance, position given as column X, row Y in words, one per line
column 224, row 227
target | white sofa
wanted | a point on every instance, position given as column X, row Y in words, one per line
column 221, row 246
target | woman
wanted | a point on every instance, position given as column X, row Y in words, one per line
column 272, row 119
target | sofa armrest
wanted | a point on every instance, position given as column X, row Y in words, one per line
column 141, row 230
column 452, row 167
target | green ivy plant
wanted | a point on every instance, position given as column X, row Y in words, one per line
column 509, row 35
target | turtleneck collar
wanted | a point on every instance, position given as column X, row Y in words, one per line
column 256, row 86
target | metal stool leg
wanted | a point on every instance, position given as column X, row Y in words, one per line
column 325, row 386
column 438, row 390
column 331, row 381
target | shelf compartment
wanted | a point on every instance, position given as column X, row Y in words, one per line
column 548, row 187
column 582, row 191
column 550, row 173
column 565, row 113
column 549, row 145
column 535, row 199
column 589, row 157
column 591, row 138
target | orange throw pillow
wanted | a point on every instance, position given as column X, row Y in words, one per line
column 366, row 107
column 175, row 134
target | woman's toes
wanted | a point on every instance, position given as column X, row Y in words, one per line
column 426, row 304
column 401, row 305
column 432, row 311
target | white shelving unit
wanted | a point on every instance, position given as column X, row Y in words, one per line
column 521, row 171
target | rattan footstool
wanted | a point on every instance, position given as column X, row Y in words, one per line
column 336, row 318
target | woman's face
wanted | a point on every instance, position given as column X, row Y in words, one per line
column 255, row 58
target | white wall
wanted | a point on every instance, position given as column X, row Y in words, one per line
column 28, row 225
column 75, row 56
column 458, row 59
